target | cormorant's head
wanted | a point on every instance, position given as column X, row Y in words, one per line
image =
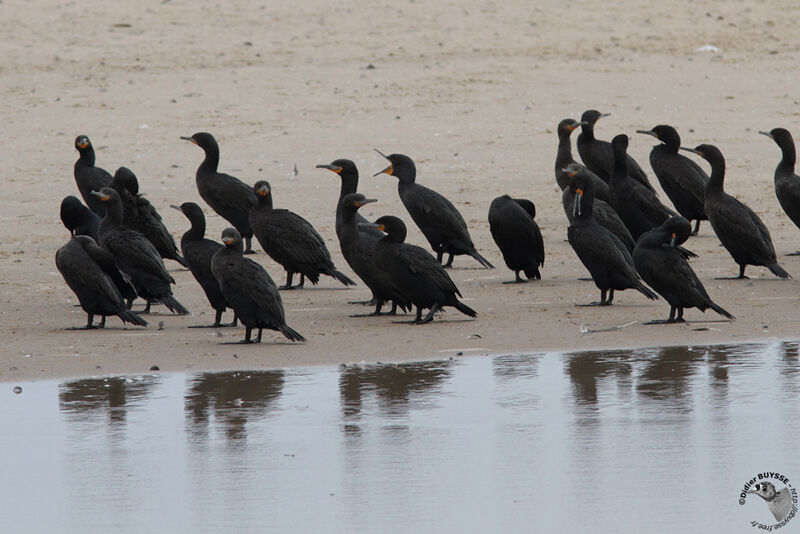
column 231, row 237
column 82, row 142
column 591, row 116
column 262, row 189
column 202, row 139
column 707, row 152
column 342, row 167
column 400, row 166
column 567, row 126
column 393, row 226
column 664, row 133
column 780, row 136
column 125, row 178
column 107, row 195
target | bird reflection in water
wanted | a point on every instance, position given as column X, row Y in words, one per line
column 83, row 400
column 231, row 399
column 587, row 369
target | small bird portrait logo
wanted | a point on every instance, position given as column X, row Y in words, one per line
column 782, row 503
column 779, row 502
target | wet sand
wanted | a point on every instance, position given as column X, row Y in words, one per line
column 471, row 91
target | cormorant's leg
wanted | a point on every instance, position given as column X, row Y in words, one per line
column 428, row 318
column 217, row 322
column 518, row 280
column 370, row 302
column 248, row 246
column 89, row 325
column 670, row 319
column 449, row 261
column 378, row 306
column 146, row 309
column 129, row 304
column 610, row 297
column 439, row 255
column 679, row 319
column 289, row 276
column 102, row 322
column 696, row 227
column 235, row 320
column 603, row 301
column 302, row 281
column 258, row 339
column 415, row 321
column 740, row 277
column 218, row 317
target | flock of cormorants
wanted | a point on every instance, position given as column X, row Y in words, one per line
column 618, row 227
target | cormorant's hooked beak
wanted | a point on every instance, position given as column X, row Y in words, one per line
column 388, row 170
column 334, row 168
column 569, row 172
column 573, row 127
column 672, row 241
column 228, row 240
column 83, row 144
column 173, row 206
column 103, row 197
column 693, row 151
column 262, row 191
column 190, row 139
column 360, row 203
column 648, row 132
column 364, row 226
column 576, row 207
column 767, row 134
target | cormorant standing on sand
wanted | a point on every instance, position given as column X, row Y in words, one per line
column 512, row 224
column 228, row 196
column 139, row 214
column 79, row 219
column 249, row 289
column 637, row 206
column 348, row 173
column 358, row 248
column 664, row 268
column 787, row 183
column 682, row 179
column 564, row 158
column 198, row 251
column 136, row 256
column 415, row 273
column 440, row 221
column 598, row 156
column 738, row 228
column 603, row 255
column 291, row 241
column 93, row 276
column 88, row 177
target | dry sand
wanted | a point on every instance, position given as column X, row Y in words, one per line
column 471, row 90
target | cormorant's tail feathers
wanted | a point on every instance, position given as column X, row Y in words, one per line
column 644, row 290
column 721, row 311
column 483, row 261
column 290, row 333
column 129, row 316
column 174, row 306
column 341, row 277
column 777, row 270
column 466, row 310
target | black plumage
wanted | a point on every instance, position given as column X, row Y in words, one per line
column 787, row 183
column 664, row 268
column 637, row 206
column 348, row 173
column 249, row 290
column 358, row 249
column 739, row 229
column 291, row 241
column 437, row 218
column 564, row 158
column 415, row 273
column 93, row 276
column 604, row 214
column 228, row 196
column 598, row 155
column 600, row 251
column 77, row 218
column 516, row 233
column 89, row 177
column 198, row 251
column 139, row 214
column 136, row 256
column 683, row 180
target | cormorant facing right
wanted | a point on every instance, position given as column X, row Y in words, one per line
column 598, row 156
column 637, row 206
column 92, row 274
column 88, row 177
column 564, row 158
column 415, row 273
column 136, row 256
column 787, row 183
column 682, row 179
column 198, row 251
column 516, row 233
column 664, row 269
column 231, row 198
column 249, row 289
column 79, row 219
column 440, row 221
column 139, row 214
column 603, row 255
column 738, row 228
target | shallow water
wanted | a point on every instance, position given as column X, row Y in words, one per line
column 655, row 440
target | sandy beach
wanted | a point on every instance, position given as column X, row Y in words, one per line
column 472, row 91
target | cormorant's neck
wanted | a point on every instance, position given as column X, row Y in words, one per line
column 789, row 157
column 564, row 154
column 349, row 185
column 212, row 159
column 113, row 216
column 197, row 231
column 715, row 182
column 265, row 201
column 587, row 132
column 620, row 164
column 86, row 156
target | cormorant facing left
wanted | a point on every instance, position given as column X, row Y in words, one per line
column 787, row 183
column 89, row 177
column 440, row 221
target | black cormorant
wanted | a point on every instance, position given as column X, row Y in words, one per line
column 516, row 233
